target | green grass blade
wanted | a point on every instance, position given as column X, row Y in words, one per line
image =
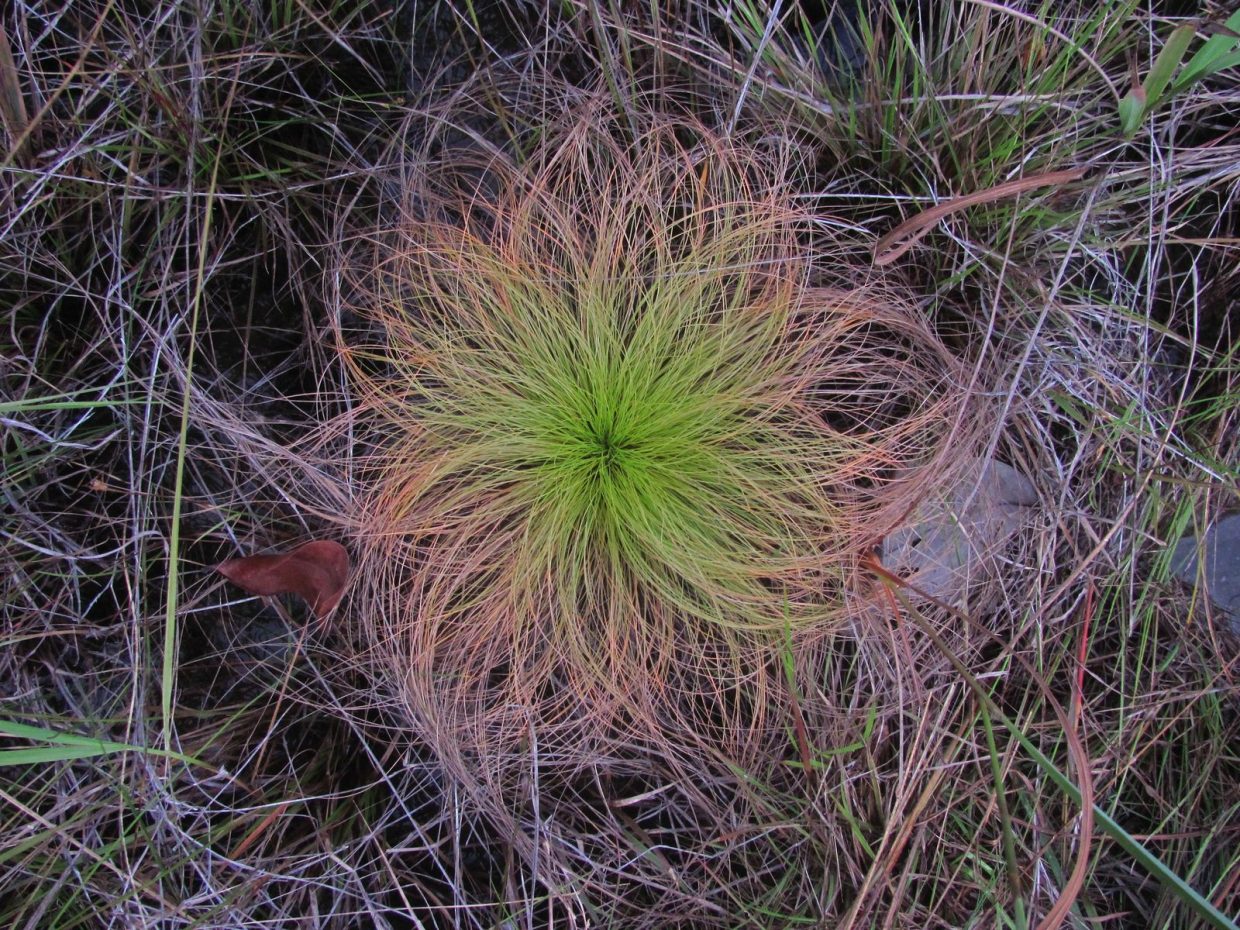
column 61, row 402
column 69, row 746
column 1131, row 109
column 42, row 754
column 1218, row 52
column 1167, row 61
column 174, row 538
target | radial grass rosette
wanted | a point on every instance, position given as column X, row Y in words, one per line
column 626, row 423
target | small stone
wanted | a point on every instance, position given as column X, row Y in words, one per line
column 950, row 543
column 1214, row 561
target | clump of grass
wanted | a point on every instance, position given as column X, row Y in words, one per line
column 631, row 415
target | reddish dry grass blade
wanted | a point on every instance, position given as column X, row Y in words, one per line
column 317, row 572
column 910, row 232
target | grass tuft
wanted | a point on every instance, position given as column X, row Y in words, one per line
column 631, row 415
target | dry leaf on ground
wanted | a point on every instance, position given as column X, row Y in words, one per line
column 317, row 572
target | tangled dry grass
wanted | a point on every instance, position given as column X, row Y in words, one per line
column 604, row 395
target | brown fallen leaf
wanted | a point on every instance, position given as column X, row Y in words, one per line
column 317, row 572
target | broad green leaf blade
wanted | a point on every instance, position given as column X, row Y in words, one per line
column 1215, row 55
column 1222, row 63
column 1131, row 110
column 1167, row 61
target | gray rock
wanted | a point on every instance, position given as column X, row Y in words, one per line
column 1214, row 561
column 951, row 542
